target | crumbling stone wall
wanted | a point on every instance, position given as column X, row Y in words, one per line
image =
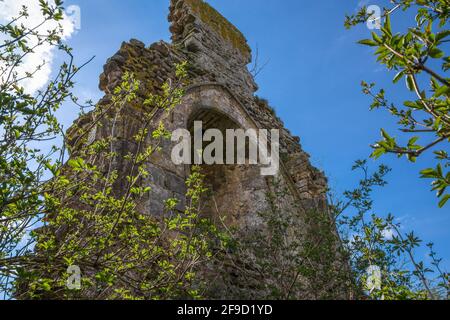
column 217, row 54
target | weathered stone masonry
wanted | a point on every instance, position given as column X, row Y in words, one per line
column 222, row 88
column 221, row 94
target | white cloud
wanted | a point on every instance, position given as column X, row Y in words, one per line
column 44, row 53
column 388, row 234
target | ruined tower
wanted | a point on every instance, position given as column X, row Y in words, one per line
column 221, row 94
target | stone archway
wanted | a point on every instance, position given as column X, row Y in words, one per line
column 235, row 191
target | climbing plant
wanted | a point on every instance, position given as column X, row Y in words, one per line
column 92, row 221
column 59, row 216
column 292, row 253
column 347, row 250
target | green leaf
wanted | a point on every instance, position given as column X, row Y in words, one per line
column 428, row 173
column 411, row 104
column 76, row 163
column 436, row 53
column 410, row 82
column 376, row 38
column 378, row 153
column 368, row 42
column 441, row 35
column 444, row 200
column 442, row 90
column 398, row 76
column 387, row 25
column 413, row 141
column 385, row 135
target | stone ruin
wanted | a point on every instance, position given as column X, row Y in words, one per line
column 222, row 95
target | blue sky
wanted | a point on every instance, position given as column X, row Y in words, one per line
column 312, row 79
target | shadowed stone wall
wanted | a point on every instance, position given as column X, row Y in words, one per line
column 217, row 55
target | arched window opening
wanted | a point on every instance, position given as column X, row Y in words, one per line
column 230, row 186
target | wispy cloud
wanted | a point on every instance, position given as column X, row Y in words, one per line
column 44, row 53
column 388, row 234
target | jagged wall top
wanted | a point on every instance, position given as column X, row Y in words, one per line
column 187, row 15
column 213, row 59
